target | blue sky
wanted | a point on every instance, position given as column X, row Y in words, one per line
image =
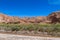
column 29, row 7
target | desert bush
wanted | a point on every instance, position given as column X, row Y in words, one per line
column 51, row 29
column 31, row 27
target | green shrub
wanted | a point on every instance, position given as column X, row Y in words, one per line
column 32, row 27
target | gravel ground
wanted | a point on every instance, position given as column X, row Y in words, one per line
column 21, row 37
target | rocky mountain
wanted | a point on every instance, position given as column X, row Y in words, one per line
column 51, row 18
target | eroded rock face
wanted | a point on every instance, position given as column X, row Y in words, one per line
column 9, row 19
column 52, row 18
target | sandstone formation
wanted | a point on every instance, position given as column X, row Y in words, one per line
column 51, row 18
column 54, row 17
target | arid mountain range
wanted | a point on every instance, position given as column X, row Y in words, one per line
column 51, row 18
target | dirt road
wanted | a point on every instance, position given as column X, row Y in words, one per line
column 21, row 37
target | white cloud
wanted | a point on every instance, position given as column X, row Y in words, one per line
column 56, row 2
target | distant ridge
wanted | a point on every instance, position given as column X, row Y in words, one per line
column 54, row 17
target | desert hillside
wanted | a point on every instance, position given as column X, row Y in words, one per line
column 33, row 26
column 51, row 18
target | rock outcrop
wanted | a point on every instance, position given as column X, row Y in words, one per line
column 51, row 18
column 54, row 17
